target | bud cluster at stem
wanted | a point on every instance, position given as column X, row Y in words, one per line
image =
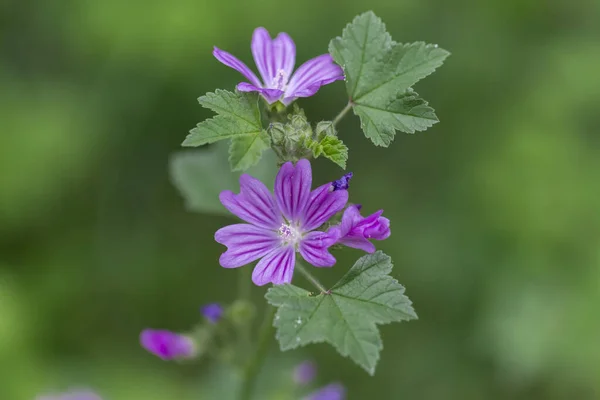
column 295, row 138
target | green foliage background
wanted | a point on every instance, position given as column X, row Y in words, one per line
column 495, row 211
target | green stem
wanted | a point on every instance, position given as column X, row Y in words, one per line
column 310, row 277
column 253, row 366
column 342, row 113
column 244, row 293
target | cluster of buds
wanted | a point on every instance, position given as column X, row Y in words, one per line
column 295, row 138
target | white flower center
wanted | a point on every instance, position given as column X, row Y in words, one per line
column 280, row 80
column 289, row 234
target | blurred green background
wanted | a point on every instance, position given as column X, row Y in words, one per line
column 495, row 211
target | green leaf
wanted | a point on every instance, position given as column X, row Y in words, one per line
column 238, row 119
column 407, row 113
column 347, row 315
column 379, row 76
column 200, row 175
column 330, row 147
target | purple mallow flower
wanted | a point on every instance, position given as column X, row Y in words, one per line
column 343, row 183
column 356, row 230
column 275, row 59
column 280, row 225
column 212, row 312
column 166, row 344
column 71, row 395
column 305, row 372
column 333, row 391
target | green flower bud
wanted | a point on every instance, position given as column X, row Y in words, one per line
column 325, row 128
column 277, row 132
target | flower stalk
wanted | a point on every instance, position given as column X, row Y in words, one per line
column 342, row 113
column 310, row 277
column 253, row 366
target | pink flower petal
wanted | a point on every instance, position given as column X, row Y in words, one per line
column 245, row 243
column 322, row 205
column 277, row 267
column 292, row 189
column 254, row 204
column 314, row 248
column 232, row 62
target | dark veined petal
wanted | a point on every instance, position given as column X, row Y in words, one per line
column 314, row 248
column 232, row 62
column 254, row 204
column 245, row 243
column 292, row 189
column 271, row 95
column 272, row 56
column 277, row 267
column 311, row 75
column 322, row 205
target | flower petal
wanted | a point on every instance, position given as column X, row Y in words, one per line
column 263, row 55
column 292, row 189
column 277, row 267
column 284, row 55
column 358, row 242
column 275, row 58
column 245, row 243
column 322, row 205
column 232, row 62
column 271, row 95
column 311, row 75
column 314, row 248
column 254, row 204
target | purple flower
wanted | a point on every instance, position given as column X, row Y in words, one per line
column 281, row 225
column 212, row 312
column 167, row 345
column 333, row 391
column 356, row 230
column 71, row 395
column 275, row 59
column 305, row 372
column 343, row 183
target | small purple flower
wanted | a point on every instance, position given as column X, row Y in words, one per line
column 333, row 391
column 71, row 395
column 343, row 183
column 275, row 59
column 281, row 225
column 212, row 312
column 305, row 372
column 166, row 344
column 356, row 230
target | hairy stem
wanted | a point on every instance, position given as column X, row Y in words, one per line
column 254, row 364
column 342, row 113
column 310, row 277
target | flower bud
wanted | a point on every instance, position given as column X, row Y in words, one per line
column 325, row 128
column 168, row 345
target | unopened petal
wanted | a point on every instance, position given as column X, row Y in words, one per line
column 277, row 267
